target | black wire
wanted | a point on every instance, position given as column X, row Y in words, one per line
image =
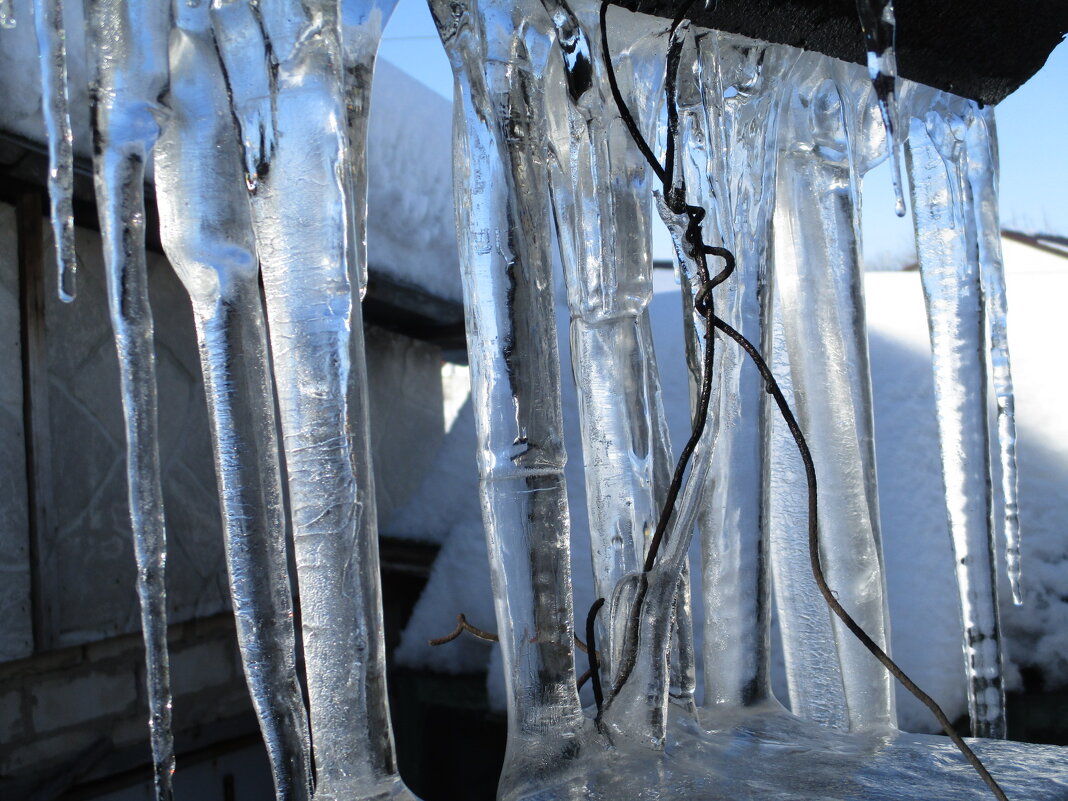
column 591, row 653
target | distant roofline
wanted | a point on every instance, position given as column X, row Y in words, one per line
column 1047, row 243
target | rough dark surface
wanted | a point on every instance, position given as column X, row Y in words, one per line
column 982, row 49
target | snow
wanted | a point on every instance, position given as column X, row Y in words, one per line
column 919, row 564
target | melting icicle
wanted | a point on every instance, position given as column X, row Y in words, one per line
column 739, row 86
column 52, row 47
column 944, row 217
column 819, row 284
column 983, row 178
column 129, row 73
column 878, row 22
column 207, row 233
column 501, row 54
column 7, row 13
column 362, row 23
column 600, row 192
column 301, row 220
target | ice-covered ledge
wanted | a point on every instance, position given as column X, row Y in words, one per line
column 411, row 235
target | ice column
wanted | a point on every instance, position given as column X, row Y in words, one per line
column 128, row 42
column 740, row 82
column 941, row 132
column 362, row 24
column 52, row 47
column 819, row 287
column 296, row 141
column 206, row 229
column 600, row 192
column 878, row 23
column 982, row 169
column 501, row 54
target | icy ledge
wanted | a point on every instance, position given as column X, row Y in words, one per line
column 773, row 756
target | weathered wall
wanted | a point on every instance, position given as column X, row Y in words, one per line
column 71, row 672
column 16, row 633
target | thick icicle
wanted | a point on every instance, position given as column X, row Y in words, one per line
column 733, row 133
column 362, row 24
column 878, row 22
column 501, row 54
column 128, row 41
column 601, row 192
column 810, row 652
column 206, row 230
column 819, row 286
column 944, row 218
column 983, row 178
column 52, row 48
column 301, row 219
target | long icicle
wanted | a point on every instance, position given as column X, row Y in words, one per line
column 362, row 22
column 52, row 50
column 206, row 229
column 944, row 218
column 128, row 40
column 819, row 284
column 740, row 89
column 600, row 191
column 500, row 54
column 299, row 200
column 983, row 177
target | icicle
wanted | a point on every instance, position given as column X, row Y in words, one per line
column 52, row 48
column 7, row 13
column 944, row 217
column 740, row 83
column 362, row 22
column 878, row 22
column 600, row 190
column 128, row 74
column 983, row 178
column 301, row 222
column 502, row 58
column 819, row 283
column 206, row 231
column 813, row 671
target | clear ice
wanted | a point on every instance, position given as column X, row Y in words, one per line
column 52, row 47
column 502, row 57
column 128, row 42
column 818, row 280
column 206, row 230
column 941, row 141
column 740, row 84
column 982, row 171
column 303, row 214
column 260, row 168
column 600, row 186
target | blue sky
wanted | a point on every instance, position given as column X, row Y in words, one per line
column 1032, row 130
